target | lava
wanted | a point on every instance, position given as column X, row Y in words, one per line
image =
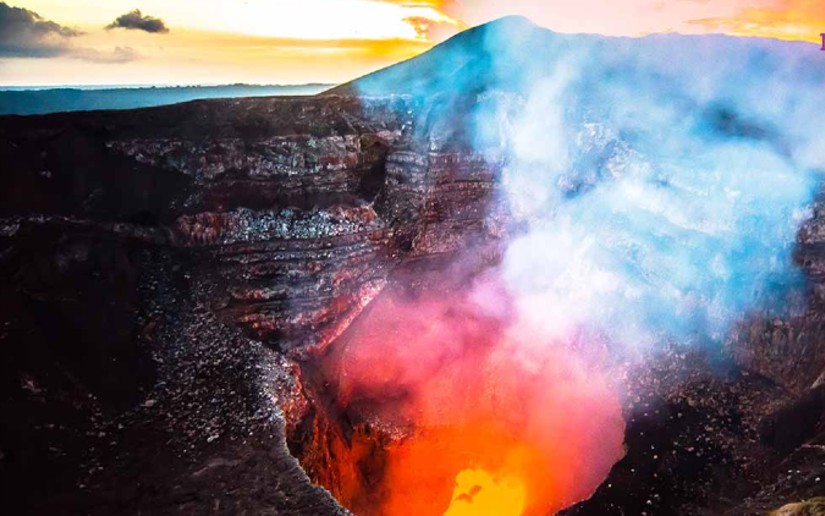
column 487, row 414
column 477, row 491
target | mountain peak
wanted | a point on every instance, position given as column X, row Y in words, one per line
column 515, row 21
column 465, row 51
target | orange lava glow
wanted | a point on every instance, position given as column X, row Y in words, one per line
column 499, row 420
column 479, row 492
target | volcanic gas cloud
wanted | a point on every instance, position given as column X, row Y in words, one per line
column 496, row 416
column 654, row 190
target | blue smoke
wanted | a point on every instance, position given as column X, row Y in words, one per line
column 660, row 181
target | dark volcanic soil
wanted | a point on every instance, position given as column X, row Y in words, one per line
column 196, row 427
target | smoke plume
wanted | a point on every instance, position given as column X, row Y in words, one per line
column 654, row 187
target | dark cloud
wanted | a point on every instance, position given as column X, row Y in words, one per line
column 135, row 20
column 24, row 33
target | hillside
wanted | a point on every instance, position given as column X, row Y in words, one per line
column 21, row 101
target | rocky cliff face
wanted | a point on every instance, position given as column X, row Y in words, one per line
column 282, row 218
column 790, row 351
column 167, row 273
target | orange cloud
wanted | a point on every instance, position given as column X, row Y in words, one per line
column 236, row 57
column 781, row 19
column 441, row 5
column 214, row 43
column 442, row 22
column 434, row 30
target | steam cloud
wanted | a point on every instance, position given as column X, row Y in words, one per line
column 662, row 182
column 657, row 185
column 659, row 182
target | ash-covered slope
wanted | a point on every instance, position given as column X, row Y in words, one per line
column 169, row 274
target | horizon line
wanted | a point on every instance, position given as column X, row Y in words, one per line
column 121, row 86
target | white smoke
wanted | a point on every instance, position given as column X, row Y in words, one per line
column 661, row 181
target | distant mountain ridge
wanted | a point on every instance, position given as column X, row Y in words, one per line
column 38, row 101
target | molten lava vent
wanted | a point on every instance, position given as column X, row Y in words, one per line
column 458, row 407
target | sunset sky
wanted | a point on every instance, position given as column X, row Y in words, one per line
column 59, row 42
